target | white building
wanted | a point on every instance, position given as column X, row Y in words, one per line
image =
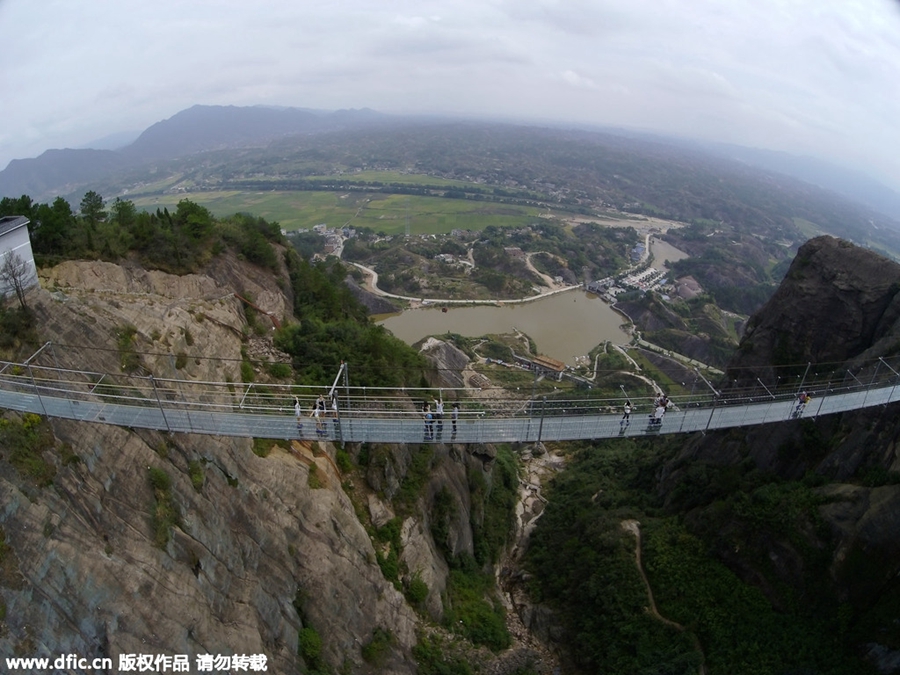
column 14, row 239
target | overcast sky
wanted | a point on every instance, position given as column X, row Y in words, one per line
column 813, row 77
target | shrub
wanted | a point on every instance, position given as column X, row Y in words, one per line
column 343, row 461
column 471, row 614
column 314, row 481
column 159, row 479
column 432, row 660
column 443, row 511
column 195, row 471
column 165, row 513
column 27, row 441
column 279, row 371
column 416, row 478
column 416, row 590
column 309, row 646
column 17, row 327
column 125, row 344
column 262, row 447
column 390, row 565
column 375, row 652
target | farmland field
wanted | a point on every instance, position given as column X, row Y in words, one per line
column 382, row 212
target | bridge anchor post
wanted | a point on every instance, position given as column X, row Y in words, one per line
column 159, row 403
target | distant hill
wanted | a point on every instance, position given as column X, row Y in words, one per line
column 197, row 129
column 718, row 188
column 853, row 185
column 58, row 172
column 202, row 128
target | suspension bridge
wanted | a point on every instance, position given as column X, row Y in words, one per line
column 382, row 415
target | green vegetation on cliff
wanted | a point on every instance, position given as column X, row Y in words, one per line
column 721, row 597
column 332, row 325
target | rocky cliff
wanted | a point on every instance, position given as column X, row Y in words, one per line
column 136, row 542
column 839, row 304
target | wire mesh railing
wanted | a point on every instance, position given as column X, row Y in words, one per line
column 354, row 413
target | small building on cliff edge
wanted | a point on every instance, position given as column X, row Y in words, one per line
column 15, row 241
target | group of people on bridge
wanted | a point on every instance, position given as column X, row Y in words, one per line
column 660, row 406
column 320, row 410
column 436, row 417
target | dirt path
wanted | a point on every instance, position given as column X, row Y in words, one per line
column 634, row 527
column 547, row 279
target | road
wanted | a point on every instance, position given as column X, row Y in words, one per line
column 372, row 285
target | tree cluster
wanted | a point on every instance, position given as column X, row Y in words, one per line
column 178, row 242
column 333, row 326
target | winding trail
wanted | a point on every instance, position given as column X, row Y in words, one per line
column 634, row 527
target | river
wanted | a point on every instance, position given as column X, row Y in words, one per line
column 563, row 326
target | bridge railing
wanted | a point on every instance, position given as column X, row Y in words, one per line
column 485, row 415
column 359, row 401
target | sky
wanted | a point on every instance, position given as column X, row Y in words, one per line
column 810, row 77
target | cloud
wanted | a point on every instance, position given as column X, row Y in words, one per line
column 806, row 76
column 576, row 80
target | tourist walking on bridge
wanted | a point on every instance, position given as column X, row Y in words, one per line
column 626, row 416
column 318, row 413
column 660, row 405
column 429, row 422
column 439, row 414
column 802, row 400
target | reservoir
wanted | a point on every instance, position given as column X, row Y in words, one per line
column 563, row 326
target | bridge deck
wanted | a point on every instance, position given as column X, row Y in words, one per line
column 373, row 416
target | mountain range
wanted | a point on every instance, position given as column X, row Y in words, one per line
column 203, row 128
column 197, row 129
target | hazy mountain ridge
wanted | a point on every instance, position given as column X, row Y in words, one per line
column 850, row 184
column 204, row 128
column 197, row 129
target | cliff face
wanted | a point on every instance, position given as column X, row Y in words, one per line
column 252, row 538
column 145, row 543
column 838, row 304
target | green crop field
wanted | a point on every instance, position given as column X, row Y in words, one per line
column 381, row 212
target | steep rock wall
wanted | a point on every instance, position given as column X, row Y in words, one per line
column 259, row 549
column 252, row 539
column 838, row 304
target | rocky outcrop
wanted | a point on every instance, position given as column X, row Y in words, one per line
column 838, row 302
column 256, row 549
column 838, row 305
column 259, row 548
column 374, row 304
column 448, row 363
